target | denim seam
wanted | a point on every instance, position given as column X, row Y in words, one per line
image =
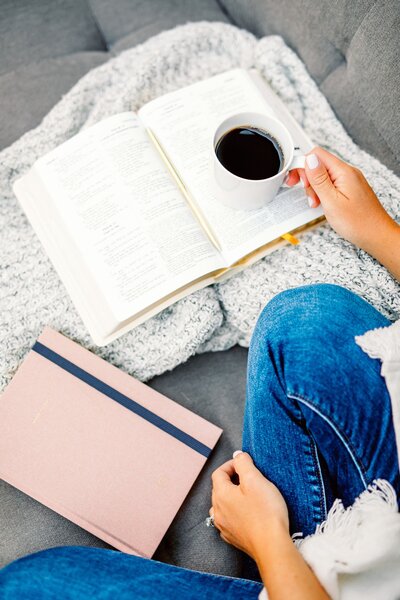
column 323, row 502
column 345, row 442
column 312, row 451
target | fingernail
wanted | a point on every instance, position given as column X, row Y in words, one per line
column 286, row 177
column 302, row 183
column 312, row 161
column 236, row 453
column 310, row 202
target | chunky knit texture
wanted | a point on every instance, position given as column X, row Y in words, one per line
column 217, row 317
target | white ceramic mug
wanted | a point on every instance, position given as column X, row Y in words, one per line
column 248, row 194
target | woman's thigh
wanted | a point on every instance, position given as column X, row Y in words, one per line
column 318, row 414
column 76, row 573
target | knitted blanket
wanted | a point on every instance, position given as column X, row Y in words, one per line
column 215, row 318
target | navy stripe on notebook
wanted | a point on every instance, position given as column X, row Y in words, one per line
column 123, row 400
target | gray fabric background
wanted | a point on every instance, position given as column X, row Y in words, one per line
column 352, row 50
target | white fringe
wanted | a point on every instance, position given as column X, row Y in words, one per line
column 363, row 539
column 342, row 523
column 383, row 342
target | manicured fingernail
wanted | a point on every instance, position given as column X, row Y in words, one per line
column 310, row 202
column 312, row 161
column 236, row 453
column 302, row 183
column 286, row 177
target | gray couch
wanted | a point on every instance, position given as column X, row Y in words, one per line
column 351, row 48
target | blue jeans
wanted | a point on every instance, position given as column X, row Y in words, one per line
column 318, row 424
column 318, row 419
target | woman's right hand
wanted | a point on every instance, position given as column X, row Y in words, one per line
column 350, row 205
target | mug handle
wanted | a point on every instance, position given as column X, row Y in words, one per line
column 298, row 162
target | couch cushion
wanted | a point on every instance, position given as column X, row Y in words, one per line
column 125, row 23
column 47, row 45
column 32, row 31
column 365, row 89
column 352, row 50
column 28, row 93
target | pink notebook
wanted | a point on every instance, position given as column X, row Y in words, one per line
column 97, row 446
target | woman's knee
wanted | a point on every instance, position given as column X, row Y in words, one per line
column 294, row 307
column 315, row 308
column 306, row 329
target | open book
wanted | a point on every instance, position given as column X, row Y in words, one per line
column 126, row 209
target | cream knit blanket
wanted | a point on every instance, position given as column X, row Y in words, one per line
column 31, row 294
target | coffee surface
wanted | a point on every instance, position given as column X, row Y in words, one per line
column 250, row 153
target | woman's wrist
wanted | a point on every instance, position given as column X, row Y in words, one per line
column 270, row 535
column 385, row 246
column 283, row 570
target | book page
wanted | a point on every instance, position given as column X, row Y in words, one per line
column 184, row 123
column 64, row 254
column 132, row 226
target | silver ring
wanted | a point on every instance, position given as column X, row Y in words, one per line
column 210, row 521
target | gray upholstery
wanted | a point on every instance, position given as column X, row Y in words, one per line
column 351, row 48
column 80, row 35
column 29, row 92
column 33, row 31
column 125, row 23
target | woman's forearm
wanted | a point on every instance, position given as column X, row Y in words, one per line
column 385, row 247
column 284, row 572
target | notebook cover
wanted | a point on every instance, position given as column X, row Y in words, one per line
column 97, row 446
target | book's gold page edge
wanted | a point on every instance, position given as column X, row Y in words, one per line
column 264, row 250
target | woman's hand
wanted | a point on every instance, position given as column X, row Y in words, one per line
column 350, row 205
column 251, row 514
column 248, row 513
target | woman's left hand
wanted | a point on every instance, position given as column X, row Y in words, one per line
column 248, row 512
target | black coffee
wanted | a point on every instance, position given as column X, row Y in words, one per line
column 250, row 153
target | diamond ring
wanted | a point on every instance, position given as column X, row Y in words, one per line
column 210, row 521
